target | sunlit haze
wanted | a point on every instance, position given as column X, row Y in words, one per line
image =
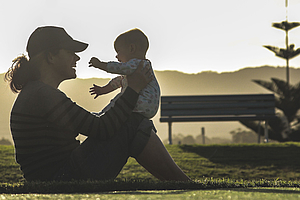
column 189, row 36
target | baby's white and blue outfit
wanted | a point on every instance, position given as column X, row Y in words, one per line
column 148, row 101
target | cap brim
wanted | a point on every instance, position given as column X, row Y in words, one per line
column 76, row 46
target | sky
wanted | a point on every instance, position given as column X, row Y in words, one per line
column 190, row 36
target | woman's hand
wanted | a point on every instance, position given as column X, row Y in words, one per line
column 140, row 77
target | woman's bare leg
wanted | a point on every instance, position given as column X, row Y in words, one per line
column 156, row 159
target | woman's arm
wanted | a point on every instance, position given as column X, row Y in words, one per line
column 65, row 113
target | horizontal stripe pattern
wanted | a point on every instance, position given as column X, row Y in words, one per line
column 45, row 138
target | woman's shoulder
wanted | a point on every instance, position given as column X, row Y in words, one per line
column 38, row 89
column 37, row 95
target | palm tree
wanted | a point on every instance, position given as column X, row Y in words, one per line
column 287, row 101
column 287, row 97
column 289, row 52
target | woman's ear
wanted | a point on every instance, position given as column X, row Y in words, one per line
column 132, row 48
column 50, row 58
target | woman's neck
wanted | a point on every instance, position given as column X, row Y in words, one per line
column 49, row 77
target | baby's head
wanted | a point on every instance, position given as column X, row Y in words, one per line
column 131, row 44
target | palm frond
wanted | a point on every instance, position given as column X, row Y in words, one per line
column 283, row 87
column 297, row 86
column 295, row 95
column 268, row 85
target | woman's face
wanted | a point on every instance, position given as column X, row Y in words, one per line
column 65, row 63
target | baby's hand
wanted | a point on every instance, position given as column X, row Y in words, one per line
column 94, row 62
column 97, row 90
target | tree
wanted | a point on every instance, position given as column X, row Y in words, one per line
column 4, row 141
column 289, row 52
column 286, row 126
column 243, row 136
column 287, row 97
column 188, row 140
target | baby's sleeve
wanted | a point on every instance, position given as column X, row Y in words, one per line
column 123, row 68
column 116, row 82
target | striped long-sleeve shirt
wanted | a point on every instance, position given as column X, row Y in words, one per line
column 45, row 122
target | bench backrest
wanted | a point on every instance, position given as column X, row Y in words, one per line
column 217, row 107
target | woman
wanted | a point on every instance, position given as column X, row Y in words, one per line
column 45, row 122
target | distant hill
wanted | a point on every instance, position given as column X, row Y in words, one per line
column 172, row 83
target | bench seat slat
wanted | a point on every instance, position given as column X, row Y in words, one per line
column 225, row 105
column 216, row 98
column 216, row 112
column 222, row 118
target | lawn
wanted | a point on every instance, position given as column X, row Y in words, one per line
column 239, row 193
column 234, row 161
column 250, row 170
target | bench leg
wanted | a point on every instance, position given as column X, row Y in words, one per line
column 258, row 132
column 170, row 132
column 203, row 135
column 266, row 132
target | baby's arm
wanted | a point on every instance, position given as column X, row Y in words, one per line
column 124, row 68
column 95, row 62
column 98, row 90
column 114, row 84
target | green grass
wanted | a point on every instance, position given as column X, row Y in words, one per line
column 240, row 161
column 9, row 169
column 254, row 193
column 210, row 166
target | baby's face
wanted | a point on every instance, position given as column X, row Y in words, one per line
column 123, row 52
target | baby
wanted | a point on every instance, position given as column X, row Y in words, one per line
column 131, row 48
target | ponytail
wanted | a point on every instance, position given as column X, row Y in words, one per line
column 20, row 73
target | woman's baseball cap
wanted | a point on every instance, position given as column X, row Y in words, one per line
column 52, row 37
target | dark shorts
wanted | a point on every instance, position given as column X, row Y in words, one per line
column 102, row 160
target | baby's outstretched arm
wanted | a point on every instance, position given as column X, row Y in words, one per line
column 98, row 90
column 95, row 62
column 113, row 84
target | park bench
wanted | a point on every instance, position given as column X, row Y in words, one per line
column 204, row 108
